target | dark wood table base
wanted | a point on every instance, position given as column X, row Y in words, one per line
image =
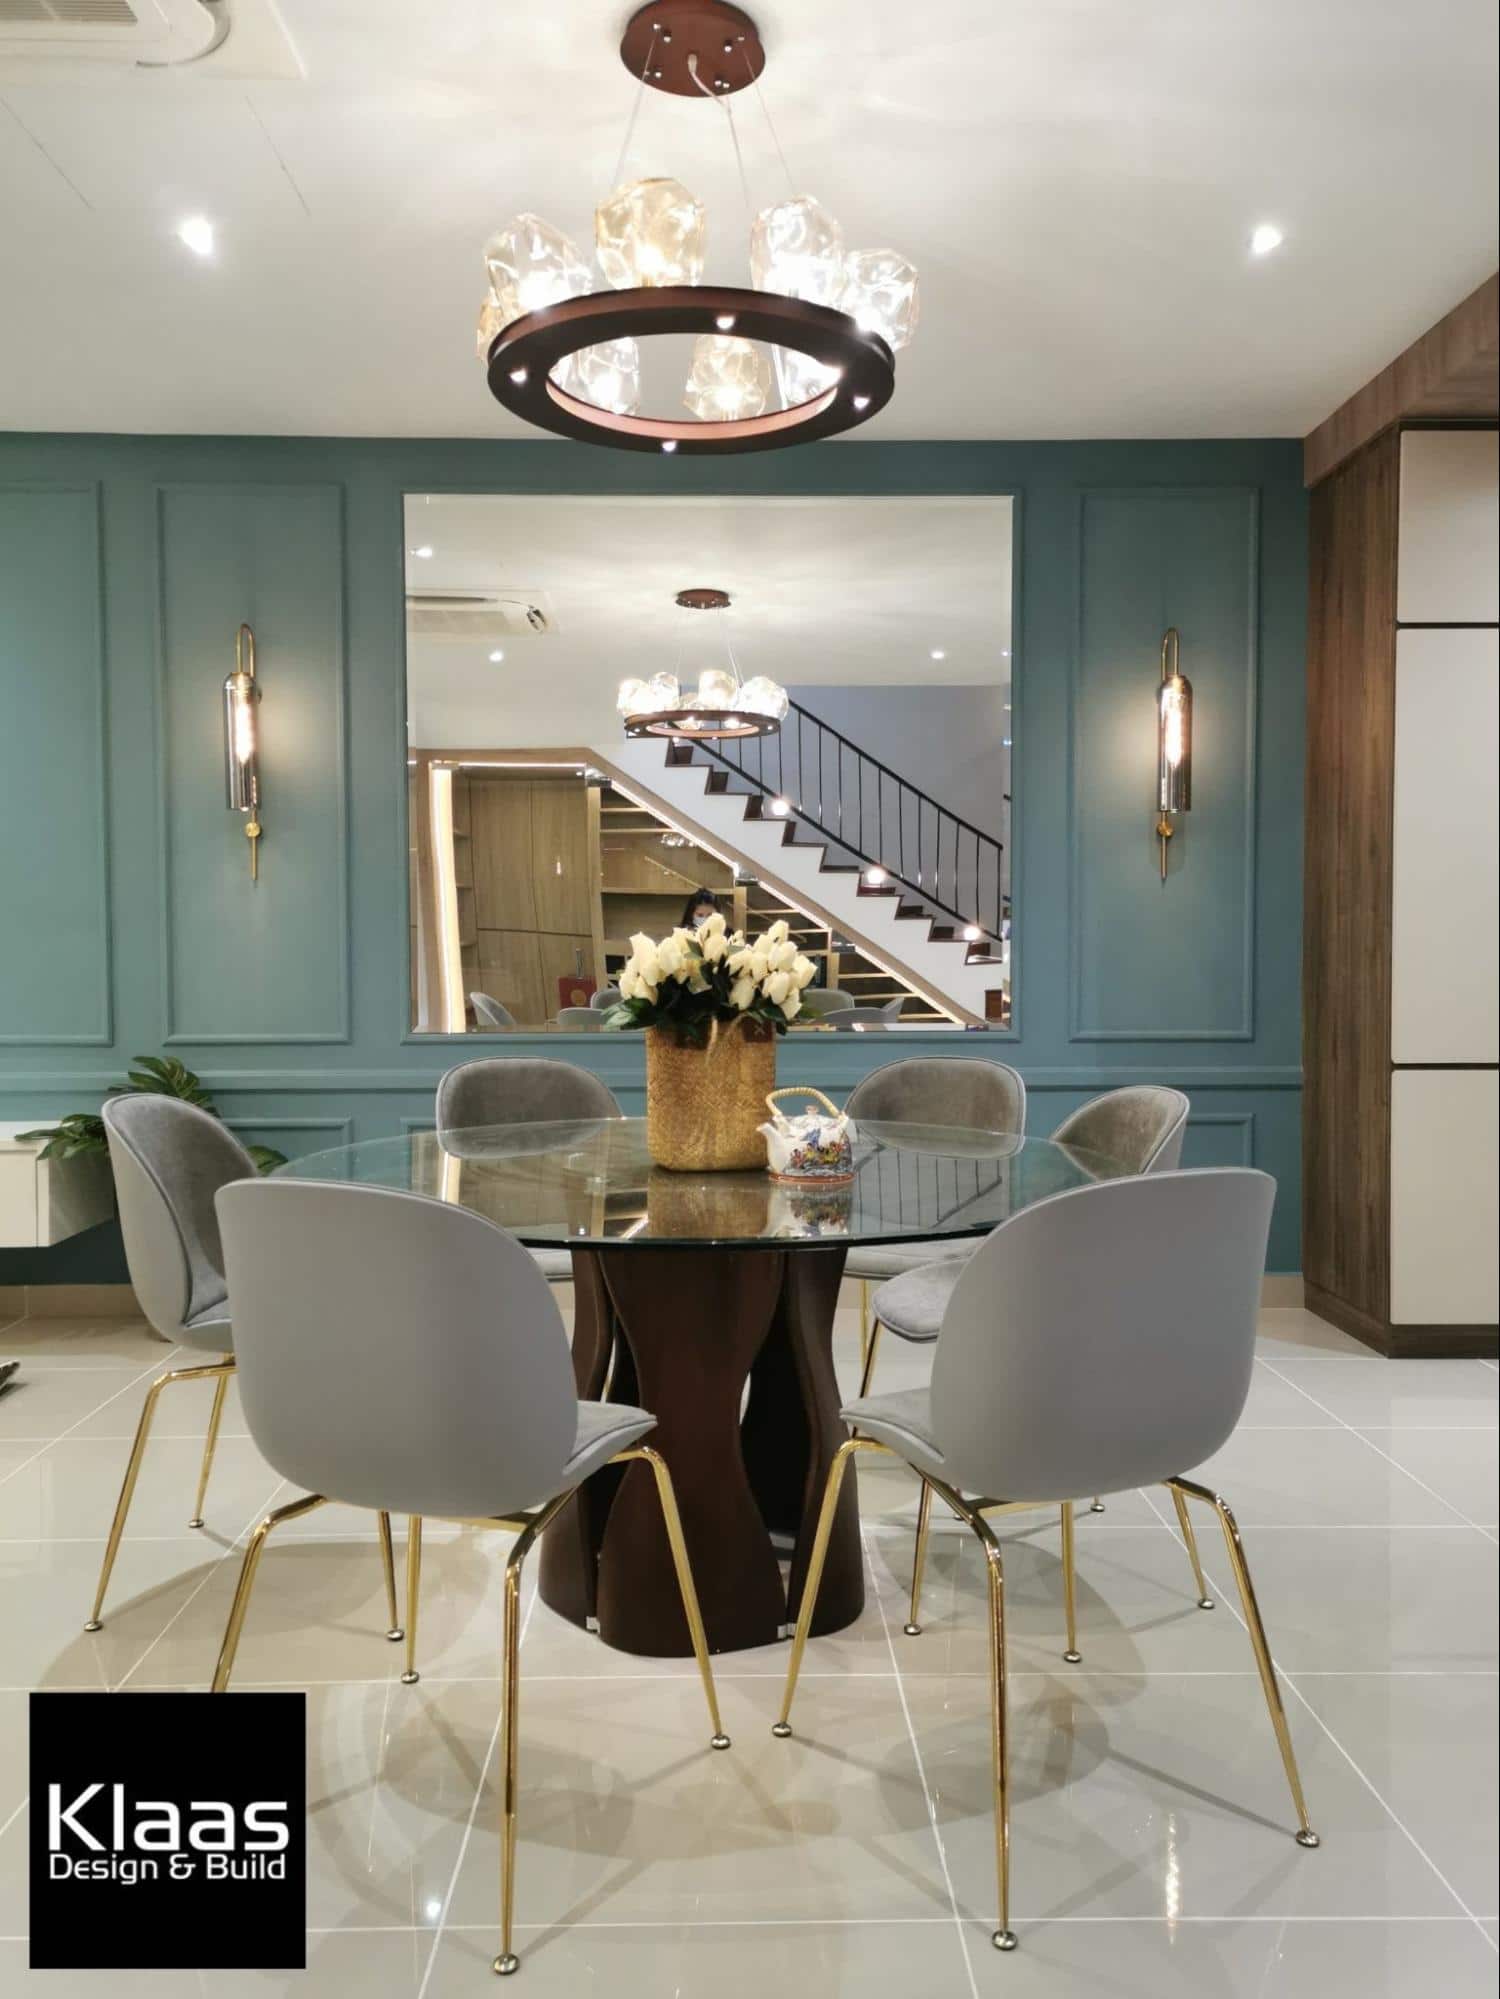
column 679, row 1332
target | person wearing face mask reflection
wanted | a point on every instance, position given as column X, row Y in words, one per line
column 699, row 907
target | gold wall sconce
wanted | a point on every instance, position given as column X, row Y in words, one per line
column 242, row 742
column 1174, row 743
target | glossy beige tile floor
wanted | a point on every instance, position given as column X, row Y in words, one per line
column 1152, row 1829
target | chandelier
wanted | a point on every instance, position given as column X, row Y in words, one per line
column 720, row 705
column 566, row 357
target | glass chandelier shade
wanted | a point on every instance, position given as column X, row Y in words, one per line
column 651, row 232
column 730, row 379
column 530, row 265
column 797, row 247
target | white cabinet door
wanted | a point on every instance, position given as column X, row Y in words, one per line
column 1448, row 570
column 1445, row 1143
column 1445, row 925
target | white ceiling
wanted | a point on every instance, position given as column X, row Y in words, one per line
column 825, row 593
column 1075, row 179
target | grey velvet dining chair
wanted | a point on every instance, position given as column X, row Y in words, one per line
column 580, row 1019
column 604, row 998
column 1140, row 1129
column 170, row 1160
column 973, row 1095
column 490, row 1012
column 496, row 1090
column 397, row 1352
column 820, row 1001
column 1123, row 1358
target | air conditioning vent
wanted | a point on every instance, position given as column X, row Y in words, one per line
column 474, row 615
column 224, row 38
column 71, row 13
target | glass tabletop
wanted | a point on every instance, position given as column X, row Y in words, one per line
column 591, row 1183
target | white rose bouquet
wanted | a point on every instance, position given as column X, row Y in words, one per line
column 693, row 980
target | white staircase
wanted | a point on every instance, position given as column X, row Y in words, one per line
column 887, row 920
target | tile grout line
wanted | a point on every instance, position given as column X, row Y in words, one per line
column 1370, row 1444
column 134, row 1382
column 1289, row 1681
column 868, row 1565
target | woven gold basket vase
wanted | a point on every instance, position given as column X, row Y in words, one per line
column 703, row 1105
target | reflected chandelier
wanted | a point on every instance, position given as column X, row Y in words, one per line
column 721, row 705
column 567, row 358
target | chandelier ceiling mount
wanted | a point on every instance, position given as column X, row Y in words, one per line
column 671, row 45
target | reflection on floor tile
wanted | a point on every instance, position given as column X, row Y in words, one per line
column 1152, row 1847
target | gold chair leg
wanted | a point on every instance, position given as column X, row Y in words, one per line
column 1305, row 1834
column 1184, row 1521
column 248, row 1568
column 864, row 1322
column 782, row 1725
column 673, row 1521
column 1070, row 1584
column 388, row 1564
column 210, row 1444
column 413, row 1591
column 133, row 1472
column 510, row 1687
column 1003, row 1937
column 867, row 1372
column 913, row 1625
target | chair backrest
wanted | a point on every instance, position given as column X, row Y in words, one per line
column 1104, row 1338
column 605, row 997
column 1141, row 1127
column 518, row 1090
column 820, row 1000
column 491, row 1012
column 943, row 1089
column 848, row 1017
column 396, row 1352
column 580, row 1019
column 170, row 1159
column 892, row 1007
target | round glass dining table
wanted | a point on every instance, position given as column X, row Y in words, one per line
column 709, row 1299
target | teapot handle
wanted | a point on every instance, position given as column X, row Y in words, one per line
column 802, row 1090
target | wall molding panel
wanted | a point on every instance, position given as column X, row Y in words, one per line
column 261, row 956
column 1178, row 962
column 57, row 953
column 290, row 1000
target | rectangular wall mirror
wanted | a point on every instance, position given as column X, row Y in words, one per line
column 873, row 814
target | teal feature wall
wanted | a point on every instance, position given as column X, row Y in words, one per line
column 128, row 922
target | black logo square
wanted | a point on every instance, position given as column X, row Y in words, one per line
column 169, row 1832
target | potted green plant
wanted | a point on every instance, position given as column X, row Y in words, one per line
column 153, row 1075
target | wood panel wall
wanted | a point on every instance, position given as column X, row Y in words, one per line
column 1346, row 963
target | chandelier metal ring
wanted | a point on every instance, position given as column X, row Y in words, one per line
column 524, row 356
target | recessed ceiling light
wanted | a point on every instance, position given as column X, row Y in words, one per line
column 669, row 444
column 937, row 653
column 424, row 553
column 198, row 234
column 725, row 322
column 1265, row 238
column 496, row 657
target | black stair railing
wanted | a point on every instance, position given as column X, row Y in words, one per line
column 861, row 806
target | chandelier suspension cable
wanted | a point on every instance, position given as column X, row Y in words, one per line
column 733, row 134
column 760, row 98
column 635, row 109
